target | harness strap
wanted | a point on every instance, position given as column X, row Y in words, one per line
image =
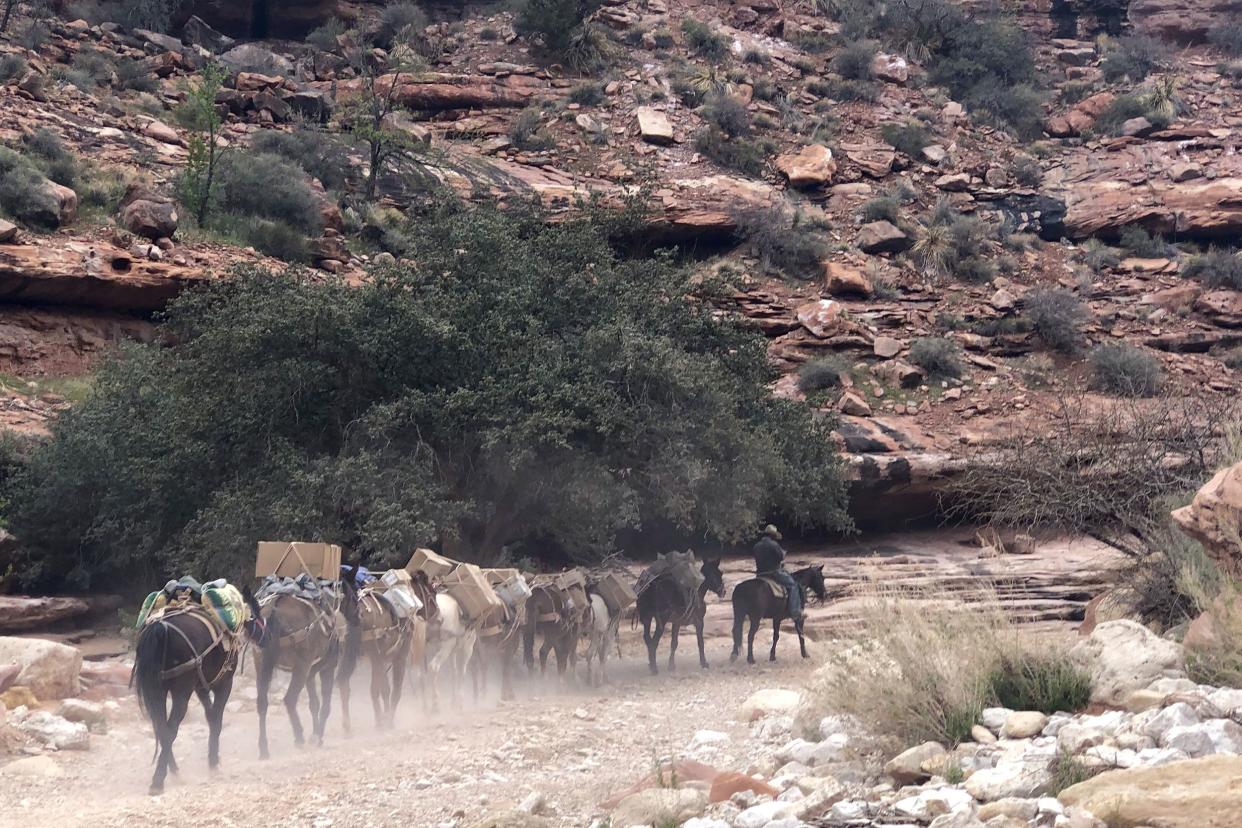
column 196, row 663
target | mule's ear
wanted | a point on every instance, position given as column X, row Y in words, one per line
column 819, row 568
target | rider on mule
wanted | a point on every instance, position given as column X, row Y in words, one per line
column 769, row 560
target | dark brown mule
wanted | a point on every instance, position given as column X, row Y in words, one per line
column 500, row 635
column 662, row 603
column 183, row 652
column 550, row 613
column 305, row 639
column 755, row 600
column 376, row 631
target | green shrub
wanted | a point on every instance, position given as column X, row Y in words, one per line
column 588, row 93
column 1125, row 370
column 782, row 242
column 12, row 66
column 974, row 270
column 398, row 22
column 987, row 64
column 559, row 30
column 155, row 15
column 1227, row 37
column 324, row 37
column 1049, row 683
column 527, row 132
column 1136, row 241
column 1067, row 771
column 854, row 61
column 821, row 374
column 742, row 154
column 319, row 153
column 135, row 76
column 938, row 356
column 34, row 35
column 1019, row 108
column 756, row 56
column 884, row 207
column 1133, row 57
column 704, row 40
column 663, row 39
column 727, row 114
column 276, row 239
column 1098, row 256
column 1076, row 92
column 1057, row 316
column 489, row 34
column 90, row 69
column 264, row 185
column 23, row 195
column 1027, row 171
column 840, row 89
column 1216, row 268
column 52, row 157
column 909, row 138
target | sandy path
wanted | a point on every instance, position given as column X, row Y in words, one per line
column 575, row 747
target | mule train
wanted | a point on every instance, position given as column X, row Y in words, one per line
column 436, row 621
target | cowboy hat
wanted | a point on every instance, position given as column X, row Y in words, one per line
column 772, row 532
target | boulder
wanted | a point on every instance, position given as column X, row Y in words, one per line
column 1205, row 739
column 23, row 612
column 890, row 68
column 907, row 767
column 761, row 815
column 900, row 373
column 251, row 57
column 812, row 166
column 882, row 237
column 53, row 731
column 88, row 713
column 36, row 766
column 1194, row 793
column 1024, row 778
column 8, row 675
column 512, row 819
column 8, row 231
column 162, row 132
column 953, row 182
column 147, row 213
column 821, row 317
column 1124, row 656
column 439, row 91
column 1081, row 118
column 198, row 32
column 853, row 405
column 49, row 669
column 843, row 280
column 660, row 806
column 1212, row 518
column 60, row 206
column 729, row 783
column 886, row 347
column 1023, row 724
column 1182, row 21
column 654, row 126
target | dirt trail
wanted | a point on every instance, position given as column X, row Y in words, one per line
column 575, row 747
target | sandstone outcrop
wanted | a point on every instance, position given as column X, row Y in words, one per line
column 435, row 91
column 1214, row 517
column 1196, row 793
column 1182, row 21
column 88, row 275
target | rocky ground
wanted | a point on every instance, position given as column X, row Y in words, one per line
column 75, row 292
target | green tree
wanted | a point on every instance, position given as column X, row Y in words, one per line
column 370, row 112
column 521, row 386
column 199, row 113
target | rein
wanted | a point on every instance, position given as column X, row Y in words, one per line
column 218, row 637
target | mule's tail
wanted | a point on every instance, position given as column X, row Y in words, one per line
column 739, row 617
column 148, row 665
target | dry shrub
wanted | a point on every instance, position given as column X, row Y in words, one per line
column 917, row 669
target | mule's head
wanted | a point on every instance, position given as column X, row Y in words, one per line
column 714, row 578
column 255, row 625
column 349, row 594
column 813, row 579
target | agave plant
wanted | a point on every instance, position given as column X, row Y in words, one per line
column 933, row 249
column 1163, row 101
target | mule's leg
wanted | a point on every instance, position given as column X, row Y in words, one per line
column 801, row 638
column 313, row 700
column 652, row 637
column 738, row 620
column 603, row 661
column 776, row 634
column 398, row 684
column 698, row 634
column 549, row 643
column 672, row 646
column 750, row 639
column 180, row 704
column 379, row 690
column 297, row 680
column 327, row 676
column 342, row 685
column 215, row 718
column 163, row 744
column 263, row 680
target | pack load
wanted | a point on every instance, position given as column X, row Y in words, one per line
column 467, row 586
column 222, row 602
column 681, row 567
column 319, row 591
column 616, row 591
column 510, row 586
column 396, row 587
column 436, row 566
column 290, row 559
column 573, row 584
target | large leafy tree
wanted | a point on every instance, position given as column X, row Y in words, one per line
column 520, row 384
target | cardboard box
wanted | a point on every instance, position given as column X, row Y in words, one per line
column 290, row 559
column 467, row 586
column 500, row 576
column 616, row 592
column 436, row 566
column 572, row 578
column 395, row 577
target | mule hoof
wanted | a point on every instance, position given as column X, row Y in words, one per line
column 703, row 665
column 263, row 754
column 750, row 660
column 155, row 790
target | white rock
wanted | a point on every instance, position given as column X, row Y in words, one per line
column 758, row 816
column 1025, row 777
column 705, row 822
column 907, row 766
column 1175, row 715
column 658, row 806
column 849, row 810
column 993, row 718
column 703, row 738
column 1151, row 757
column 933, row 803
column 1109, row 723
column 54, row 731
column 957, row 819
column 1074, row 738
column 1210, row 737
column 1225, row 700
column 44, row 766
column 1124, row 656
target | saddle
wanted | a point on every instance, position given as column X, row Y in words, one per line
column 778, row 590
